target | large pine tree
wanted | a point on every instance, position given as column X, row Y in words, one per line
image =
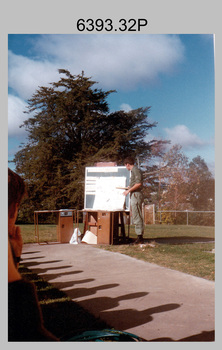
column 70, row 127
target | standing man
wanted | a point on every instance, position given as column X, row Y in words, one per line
column 136, row 197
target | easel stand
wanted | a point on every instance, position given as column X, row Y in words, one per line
column 108, row 226
column 65, row 219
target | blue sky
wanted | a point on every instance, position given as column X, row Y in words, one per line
column 174, row 74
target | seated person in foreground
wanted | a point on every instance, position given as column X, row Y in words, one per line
column 25, row 322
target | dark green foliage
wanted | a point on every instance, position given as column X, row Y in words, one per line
column 70, row 128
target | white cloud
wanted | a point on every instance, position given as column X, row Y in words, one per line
column 25, row 75
column 16, row 107
column 180, row 134
column 115, row 61
column 125, row 107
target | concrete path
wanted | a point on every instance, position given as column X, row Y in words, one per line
column 155, row 303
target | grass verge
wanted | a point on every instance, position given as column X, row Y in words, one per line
column 194, row 259
column 181, row 250
column 48, row 232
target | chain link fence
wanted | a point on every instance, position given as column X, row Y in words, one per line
column 178, row 217
column 186, row 217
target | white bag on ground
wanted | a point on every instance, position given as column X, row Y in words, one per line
column 89, row 238
column 76, row 237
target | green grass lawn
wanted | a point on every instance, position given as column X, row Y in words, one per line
column 169, row 246
column 157, row 231
column 48, row 232
column 194, row 259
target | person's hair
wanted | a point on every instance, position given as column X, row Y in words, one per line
column 129, row 160
column 16, row 190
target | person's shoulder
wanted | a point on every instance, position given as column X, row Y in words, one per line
column 136, row 169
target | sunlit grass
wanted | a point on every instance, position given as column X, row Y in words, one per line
column 195, row 259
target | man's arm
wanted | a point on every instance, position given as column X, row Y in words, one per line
column 132, row 189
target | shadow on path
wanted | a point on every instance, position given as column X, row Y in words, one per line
column 203, row 337
column 106, row 303
column 130, row 318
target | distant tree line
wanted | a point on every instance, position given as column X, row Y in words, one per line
column 177, row 184
column 70, row 127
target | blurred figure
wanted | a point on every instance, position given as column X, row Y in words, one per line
column 16, row 191
column 25, row 321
